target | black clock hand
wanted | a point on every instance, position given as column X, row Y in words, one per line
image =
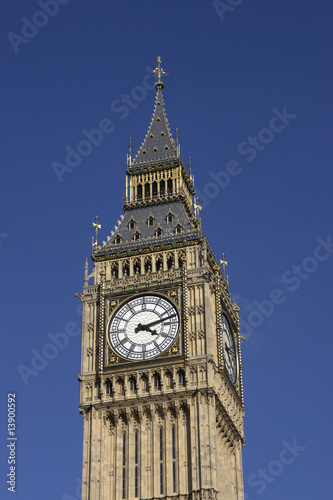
column 228, row 349
column 228, row 352
column 160, row 320
column 147, row 327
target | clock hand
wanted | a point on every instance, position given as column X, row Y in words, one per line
column 228, row 349
column 230, row 353
column 139, row 328
column 144, row 327
column 147, row 327
column 161, row 320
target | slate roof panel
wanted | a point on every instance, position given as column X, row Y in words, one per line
column 158, row 143
column 147, row 233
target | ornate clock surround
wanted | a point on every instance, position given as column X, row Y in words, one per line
column 173, row 294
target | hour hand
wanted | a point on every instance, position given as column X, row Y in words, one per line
column 153, row 332
column 229, row 350
column 141, row 327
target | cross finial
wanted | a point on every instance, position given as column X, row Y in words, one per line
column 158, row 73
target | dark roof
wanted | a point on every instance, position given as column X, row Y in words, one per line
column 158, row 144
column 148, row 233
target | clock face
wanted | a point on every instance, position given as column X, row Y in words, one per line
column 143, row 327
column 228, row 348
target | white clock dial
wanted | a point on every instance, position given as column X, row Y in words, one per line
column 143, row 327
column 228, row 348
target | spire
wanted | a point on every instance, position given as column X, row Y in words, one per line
column 158, row 144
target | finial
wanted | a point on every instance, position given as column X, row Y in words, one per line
column 129, row 155
column 197, row 207
column 97, row 226
column 86, row 267
column 158, row 73
column 177, row 137
column 223, row 262
column 190, row 165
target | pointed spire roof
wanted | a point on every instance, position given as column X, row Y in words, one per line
column 158, row 144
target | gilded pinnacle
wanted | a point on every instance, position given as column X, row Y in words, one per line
column 158, row 73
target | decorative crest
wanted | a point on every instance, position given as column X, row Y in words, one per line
column 158, row 72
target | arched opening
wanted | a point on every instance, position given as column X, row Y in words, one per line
column 148, row 265
column 159, row 264
column 115, row 270
column 137, row 267
column 170, row 262
column 126, row 269
column 147, row 191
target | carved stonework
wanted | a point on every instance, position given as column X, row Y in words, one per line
column 181, row 384
column 205, row 494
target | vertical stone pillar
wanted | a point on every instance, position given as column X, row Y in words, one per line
column 86, row 456
column 194, row 462
column 153, row 263
column 155, row 457
column 175, row 258
column 120, row 269
column 165, row 265
column 130, row 459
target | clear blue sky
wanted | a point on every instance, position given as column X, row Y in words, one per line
column 250, row 92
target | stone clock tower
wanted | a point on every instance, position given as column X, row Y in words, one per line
column 161, row 374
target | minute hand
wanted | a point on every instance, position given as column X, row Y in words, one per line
column 160, row 320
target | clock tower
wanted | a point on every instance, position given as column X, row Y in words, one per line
column 161, row 375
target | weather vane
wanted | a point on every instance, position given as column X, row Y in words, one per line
column 223, row 262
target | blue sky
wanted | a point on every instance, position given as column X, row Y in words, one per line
column 249, row 88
